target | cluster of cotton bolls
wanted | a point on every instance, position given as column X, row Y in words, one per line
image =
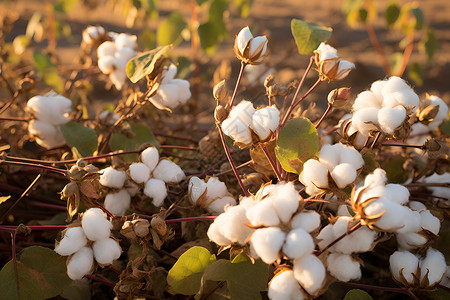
column 211, row 195
column 245, row 120
column 274, row 225
column 338, row 162
column 113, row 57
column 49, row 112
column 92, row 240
column 151, row 175
column 385, row 108
column 171, row 91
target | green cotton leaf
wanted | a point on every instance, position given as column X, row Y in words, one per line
column 244, row 7
column 394, row 169
column 41, row 275
column 445, row 127
column 147, row 39
column 419, row 18
column 209, row 38
column 186, row 274
column 64, row 6
column 169, row 31
column 297, row 142
column 77, row 290
column 48, row 71
column 415, row 73
column 392, row 13
column 357, row 294
column 80, row 137
column 430, row 44
column 140, row 66
column 142, row 136
column 308, row 36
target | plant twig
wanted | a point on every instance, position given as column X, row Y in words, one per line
column 230, row 105
column 55, row 170
column 271, row 162
column 323, row 116
column 355, row 227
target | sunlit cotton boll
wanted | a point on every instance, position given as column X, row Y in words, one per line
column 314, row 176
column 215, row 231
column 433, row 266
column 46, row 135
column 73, row 240
column 309, row 272
column 366, row 99
column 298, row 243
column 237, row 130
column 405, row 263
column 267, row 243
column 197, row 188
column 150, row 157
column 391, row 118
column 365, row 120
column 265, row 121
column 440, row 191
column 441, row 115
column 139, row 172
column 118, row 203
column 396, row 193
column 257, row 47
column 343, row 267
column 217, row 206
column 284, row 286
column 244, row 112
column 344, row 69
column 112, row 178
column 124, row 40
column 308, row 220
column 106, row 64
column 263, row 214
column 118, row 78
column 106, row 251
column 50, row 108
column 95, row 224
column 80, row 263
column 235, row 221
column 215, row 188
column 157, row 190
column 168, row 172
column 106, row 49
column 343, row 175
column 285, row 200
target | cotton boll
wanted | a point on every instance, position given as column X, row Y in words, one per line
column 243, row 111
column 392, row 218
column 343, row 211
column 416, row 205
column 106, row 64
column 237, row 130
column 125, row 53
column 326, row 52
column 351, row 156
column 325, row 236
column 267, row 243
column 124, row 40
column 343, row 175
column 377, row 177
column 162, row 103
column 377, row 88
column 343, row 267
column 411, row 221
column 446, row 280
column 314, row 176
column 391, row 118
column 308, row 220
column 169, row 94
column 215, row 231
column 309, row 272
column 410, row 240
column 112, row 178
column 433, row 265
column 132, row 188
column 265, row 121
column 364, row 118
column 168, row 172
column 396, row 193
column 150, row 157
column 329, row 156
column 358, row 241
column 50, row 109
column 118, row 78
column 217, row 206
column 407, row 98
column 118, row 203
column 156, row 189
column 80, row 263
column 184, row 93
column 169, row 74
column 95, row 224
column 197, row 188
column 234, row 226
column 284, row 286
column 298, row 243
column 394, row 84
column 106, row 49
column 46, row 134
column 139, row 172
column 73, row 240
column 106, row 251
column 429, row 222
column 215, row 188
column 442, row 113
column 344, row 69
column 443, row 192
column 403, row 262
column 263, row 214
column 366, row 99
column 285, row 200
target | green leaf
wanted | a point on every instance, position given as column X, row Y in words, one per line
column 419, row 17
column 169, row 31
column 4, row 198
column 363, row 13
column 41, row 274
column 244, row 7
column 394, row 169
column 186, row 274
column 357, row 294
column 64, row 6
column 142, row 65
column 80, row 137
column 48, row 71
column 396, row 62
column 77, row 290
column 392, row 13
column 445, row 127
column 143, row 136
column 297, row 142
column 308, row 36
column 415, row 72
column 147, row 39
column 209, row 38
column 430, row 44
column 200, row 2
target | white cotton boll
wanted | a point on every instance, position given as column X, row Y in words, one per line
column 243, row 111
column 80, row 263
column 410, row 240
column 392, row 218
column 429, row 222
column 441, row 115
column 106, row 251
column 243, row 38
column 284, row 286
column 234, row 225
column 169, row 74
column 314, row 176
column 132, row 188
column 168, row 95
column 184, row 93
column 364, row 118
column 217, row 206
column 125, row 54
column 118, row 203
column 215, row 231
column 47, row 135
column 446, row 280
column 265, row 121
column 396, row 193
column 394, row 84
column 407, row 98
column 106, row 64
column 265, row 190
column 343, row 175
column 255, row 45
column 360, row 240
column 150, row 157
column 443, row 192
column 325, row 236
column 168, row 172
column 112, row 178
column 341, row 226
column 433, row 265
column 391, row 118
column 106, row 49
column 125, row 40
column 343, row 267
column 329, row 156
column 309, row 220
column 238, row 130
column 309, row 272
column 118, row 78
column 196, row 187
column 263, row 214
column 285, row 200
column 73, row 240
column 156, row 189
column 326, row 52
column 267, row 243
column 360, row 139
column 95, row 224
column 50, row 109
column 366, row 99
column 351, row 156
column 215, row 188
column 298, row 243
column 161, row 103
column 416, row 205
column 377, row 88
column 377, row 177
column 344, row 69
column 403, row 262
column 411, row 222
column 139, row 172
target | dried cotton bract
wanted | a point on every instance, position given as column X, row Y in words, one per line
column 330, row 66
column 249, row 49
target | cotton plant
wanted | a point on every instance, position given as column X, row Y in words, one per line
column 330, row 65
column 88, row 244
column 49, row 112
column 249, row 49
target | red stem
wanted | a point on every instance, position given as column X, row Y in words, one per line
column 272, row 163
column 323, row 116
column 237, row 85
column 376, row 45
column 104, row 209
column 59, row 171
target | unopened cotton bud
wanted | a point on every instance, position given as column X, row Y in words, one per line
column 95, row 224
column 284, row 286
column 338, row 97
column 157, row 190
column 265, row 121
column 80, row 263
column 309, row 272
column 73, row 239
column 159, row 225
column 168, row 172
column 249, row 49
column 141, row 227
column 139, row 172
column 112, row 178
column 106, row 251
column 405, row 263
column 433, row 266
column 220, row 91
column 308, row 220
column 343, row 267
column 298, row 243
column 220, row 114
column 267, row 243
column 118, row 203
column 150, row 157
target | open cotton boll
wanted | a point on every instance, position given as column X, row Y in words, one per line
column 263, row 214
column 366, row 99
column 403, row 262
column 284, row 286
column 343, row 267
column 314, row 176
column 285, row 200
column 396, row 193
column 139, row 172
column 255, row 45
column 238, row 130
column 326, row 52
column 184, row 93
column 73, row 240
column 442, row 113
column 265, row 121
column 50, row 109
column 325, row 236
column 391, row 118
column 106, row 64
column 329, row 156
column 95, row 224
column 215, row 188
column 344, row 69
column 106, row 49
column 343, row 175
column 351, row 156
column 131, row 187
column 243, row 111
column 298, row 243
column 112, row 178
column 47, row 135
column 150, row 157
column 394, row 84
column 118, row 203
column 118, row 78
column 168, row 172
column 267, row 243
column 125, row 40
column 243, row 38
column 429, row 222
column 443, row 192
column 106, row 251
column 377, row 177
column 217, row 206
column 433, row 266
column 358, row 241
column 156, row 189
column 410, row 240
column 169, row 74
column 215, row 231
column 411, row 222
column 364, row 118
column 393, row 216
column 196, row 187
column 125, row 53
column 309, row 220
column 234, row 226
column 309, row 272
column 169, row 93
column 417, row 206
column 377, row 88
column 80, row 263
